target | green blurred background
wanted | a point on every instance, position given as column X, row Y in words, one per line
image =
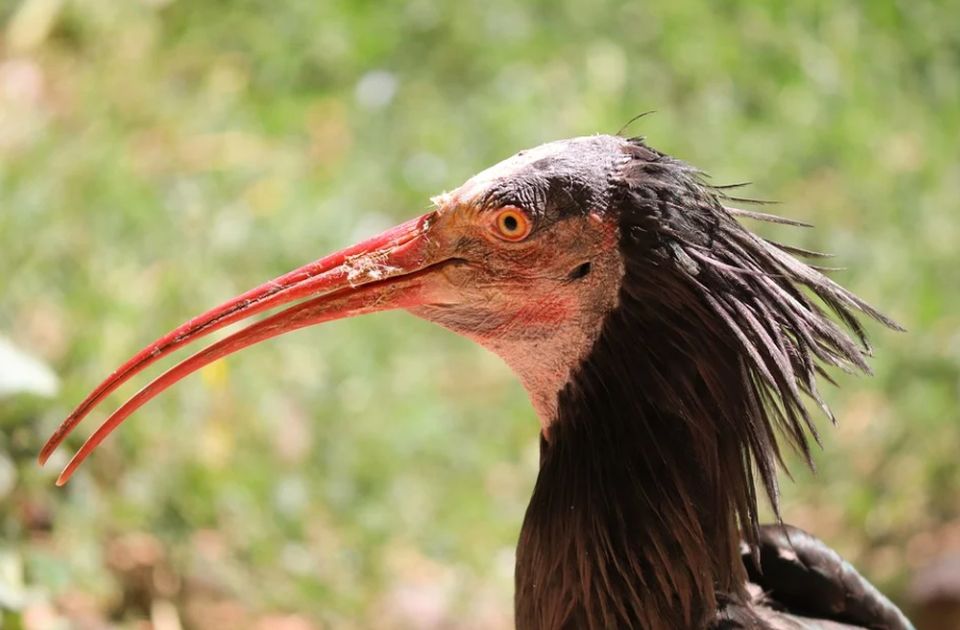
column 159, row 156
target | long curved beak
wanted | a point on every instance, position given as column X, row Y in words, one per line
column 396, row 269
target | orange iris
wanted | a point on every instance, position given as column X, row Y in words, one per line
column 512, row 224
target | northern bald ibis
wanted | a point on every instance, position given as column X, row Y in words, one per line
column 666, row 349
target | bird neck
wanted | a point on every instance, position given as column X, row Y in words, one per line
column 633, row 520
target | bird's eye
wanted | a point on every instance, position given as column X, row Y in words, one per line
column 512, row 224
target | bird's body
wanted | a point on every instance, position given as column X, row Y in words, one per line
column 664, row 347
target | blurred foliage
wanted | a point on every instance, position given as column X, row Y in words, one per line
column 158, row 156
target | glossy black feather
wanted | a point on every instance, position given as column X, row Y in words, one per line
column 798, row 572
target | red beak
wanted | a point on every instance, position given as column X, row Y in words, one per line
column 389, row 271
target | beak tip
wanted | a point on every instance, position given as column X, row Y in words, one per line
column 46, row 452
column 329, row 289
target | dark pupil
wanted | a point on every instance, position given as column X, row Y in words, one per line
column 510, row 223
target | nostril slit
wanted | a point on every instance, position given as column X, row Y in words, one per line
column 580, row 271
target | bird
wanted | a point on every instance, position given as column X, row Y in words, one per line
column 668, row 351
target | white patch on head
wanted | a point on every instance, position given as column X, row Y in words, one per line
column 440, row 200
column 482, row 181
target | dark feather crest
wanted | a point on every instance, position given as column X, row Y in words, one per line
column 751, row 290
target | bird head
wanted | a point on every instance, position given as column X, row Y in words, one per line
column 531, row 258
column 538, row 266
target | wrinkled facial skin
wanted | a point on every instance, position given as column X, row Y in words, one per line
column 535, row 288
column 538, row 302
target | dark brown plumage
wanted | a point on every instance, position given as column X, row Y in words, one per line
column 649, row 469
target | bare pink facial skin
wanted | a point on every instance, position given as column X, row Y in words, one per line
column 538, row 302
column 531, row 314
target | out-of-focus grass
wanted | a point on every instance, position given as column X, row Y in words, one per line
column 157, row 157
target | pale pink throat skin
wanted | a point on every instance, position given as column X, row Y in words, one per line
column 537, row 302
column 542, row 323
